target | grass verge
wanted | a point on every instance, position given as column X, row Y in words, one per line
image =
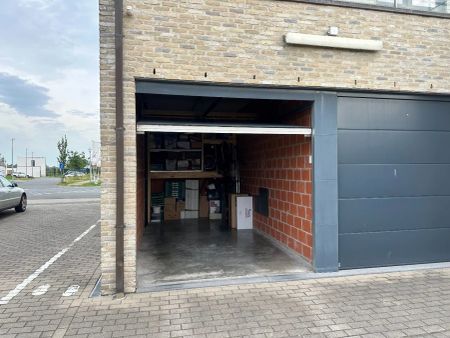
column 91, row 184
column 10, row 178
column 79, row 181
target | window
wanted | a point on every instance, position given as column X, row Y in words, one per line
column 33, row 163
column 4, row 182
column 434, row 6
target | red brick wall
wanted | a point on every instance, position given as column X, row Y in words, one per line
column 281, row 164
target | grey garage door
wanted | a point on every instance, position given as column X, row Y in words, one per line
column 394, row 181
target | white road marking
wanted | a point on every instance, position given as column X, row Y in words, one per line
column 71, row 291
column 5, row 300
column 41, row 290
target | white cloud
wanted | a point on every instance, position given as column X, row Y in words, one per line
column 53, row 46
column 74, row 90
column 40, row 134
column 27, row 132
column 38, row 4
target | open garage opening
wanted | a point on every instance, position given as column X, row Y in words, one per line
column 224, row 188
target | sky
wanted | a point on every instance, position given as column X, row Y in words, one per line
column 49, row 76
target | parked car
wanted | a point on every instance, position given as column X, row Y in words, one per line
column 11, row 196
column 20, row 175
column 74, row 173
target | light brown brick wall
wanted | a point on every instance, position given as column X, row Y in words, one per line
column 107, row 123
column 236, row 40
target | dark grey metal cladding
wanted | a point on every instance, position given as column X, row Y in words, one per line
column 394, row 181
column 393, row 114
column 325, row 192
column 394, row 248
column 220, row 90
column 381, row 146
column 390, row 214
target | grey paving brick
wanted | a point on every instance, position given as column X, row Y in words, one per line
column 16, row 330
column 384, row 305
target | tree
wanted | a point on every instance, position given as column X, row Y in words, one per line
column 63, row 153
column 76, row 160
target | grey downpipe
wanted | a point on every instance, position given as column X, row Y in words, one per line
column 120, row 223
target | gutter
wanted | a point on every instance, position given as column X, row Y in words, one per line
column 120, row 223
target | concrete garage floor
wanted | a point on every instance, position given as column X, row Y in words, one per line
column 177, row 253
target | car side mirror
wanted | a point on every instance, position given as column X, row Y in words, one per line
column 14, row 184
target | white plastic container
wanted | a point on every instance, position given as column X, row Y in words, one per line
column 244, row 207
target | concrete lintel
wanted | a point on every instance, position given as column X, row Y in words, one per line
column 333, row 42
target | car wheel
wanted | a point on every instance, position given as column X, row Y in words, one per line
column 22, row 205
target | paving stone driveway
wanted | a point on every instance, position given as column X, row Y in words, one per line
column 28, row 240
column 388, row 305
column 384, row 305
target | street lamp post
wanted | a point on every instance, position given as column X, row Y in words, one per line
column 90, row 164
column 12, row 155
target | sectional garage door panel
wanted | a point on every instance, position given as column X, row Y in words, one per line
column 392, row 114
column 394, row 248
column 393, row 214
column 394, row 181
column 381, row 146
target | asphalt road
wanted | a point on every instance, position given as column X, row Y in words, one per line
column 49, row 256
column 47, row 188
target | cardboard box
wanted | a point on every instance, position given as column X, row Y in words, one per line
column 171, row 215
column 233, row 209
column 244, row 206
column 180, row 206
column 170, row 202
column 170, row 209
column 204, row 206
